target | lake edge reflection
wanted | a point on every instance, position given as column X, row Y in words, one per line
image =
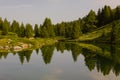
column 103, row 58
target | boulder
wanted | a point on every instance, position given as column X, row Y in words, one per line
column 1, row 47
column 24, row 46
column 17, row 48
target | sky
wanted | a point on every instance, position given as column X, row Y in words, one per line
column 35, row 11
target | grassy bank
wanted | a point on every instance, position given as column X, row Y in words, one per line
column 10, row 43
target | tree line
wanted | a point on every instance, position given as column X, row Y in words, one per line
column 71, row 30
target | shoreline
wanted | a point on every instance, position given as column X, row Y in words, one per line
column 20, row 44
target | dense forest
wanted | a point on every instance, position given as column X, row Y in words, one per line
column 70, row 30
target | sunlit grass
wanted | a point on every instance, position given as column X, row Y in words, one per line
column 95, row 49
column 10, row 40
column 98, row 32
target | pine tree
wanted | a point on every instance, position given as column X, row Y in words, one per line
column 22, row 30
column 1, row 23
column 15, row 27
column 90, row 22
column 5, row 28
column 76, row 31
column 37, row 31
column 117, row 13
column 107, row 14
column 48, row 26
column 99, row 18
column 68, row 30
column 62, row 29
column 44, row 33
column 29, row 31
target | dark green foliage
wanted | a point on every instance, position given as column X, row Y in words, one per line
column 115, row 33
column 1, row 23
column 70, row 30
column 76, row 51
column 60, row 46
column 105, row 15
column 29, row 31
column 44, row 33
column 47, row 29
column 117, row 13
column 60, row 29
column 15, row 27
column 112, row 34
column 5, row 27
column 47, row 53
column 22, row 30
column 90, row 22
column 76, row 31
column 37, row 31
column 99, row 17
column 25, row 54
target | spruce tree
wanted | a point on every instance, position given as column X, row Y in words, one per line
column 68, row 30
column 1, row 23
column 5, row 28
column 44, row 33
column 107, row 15
column 48, row 26
column 22, row 30
column 15, row 27
column 29, row 31
column 76, row 31
column 37, row 31
column 117, row 13
column 90, row 22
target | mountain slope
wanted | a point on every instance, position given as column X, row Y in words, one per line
column 98, row 32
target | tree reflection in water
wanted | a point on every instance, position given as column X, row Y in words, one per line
column 105, row 58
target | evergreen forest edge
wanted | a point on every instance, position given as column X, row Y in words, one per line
column 103, row 26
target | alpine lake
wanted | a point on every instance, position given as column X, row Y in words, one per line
column 63, row 61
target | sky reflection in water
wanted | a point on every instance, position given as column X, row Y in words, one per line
column 66, row 62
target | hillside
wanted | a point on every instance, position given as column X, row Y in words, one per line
column 105, row 30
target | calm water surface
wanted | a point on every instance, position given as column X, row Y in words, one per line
column 62, row 61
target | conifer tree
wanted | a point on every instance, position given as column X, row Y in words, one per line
column 107, row 14
column 29, row 31
column 68, row 30
column 61, row 29
column 15, row 27
column 22, row 30
column 90, row 22
column 76, row 30
column 48, row 26
column 44, row 33
column 5, row 28
column 1, row 23
column 37, row 31
column 117, row 13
